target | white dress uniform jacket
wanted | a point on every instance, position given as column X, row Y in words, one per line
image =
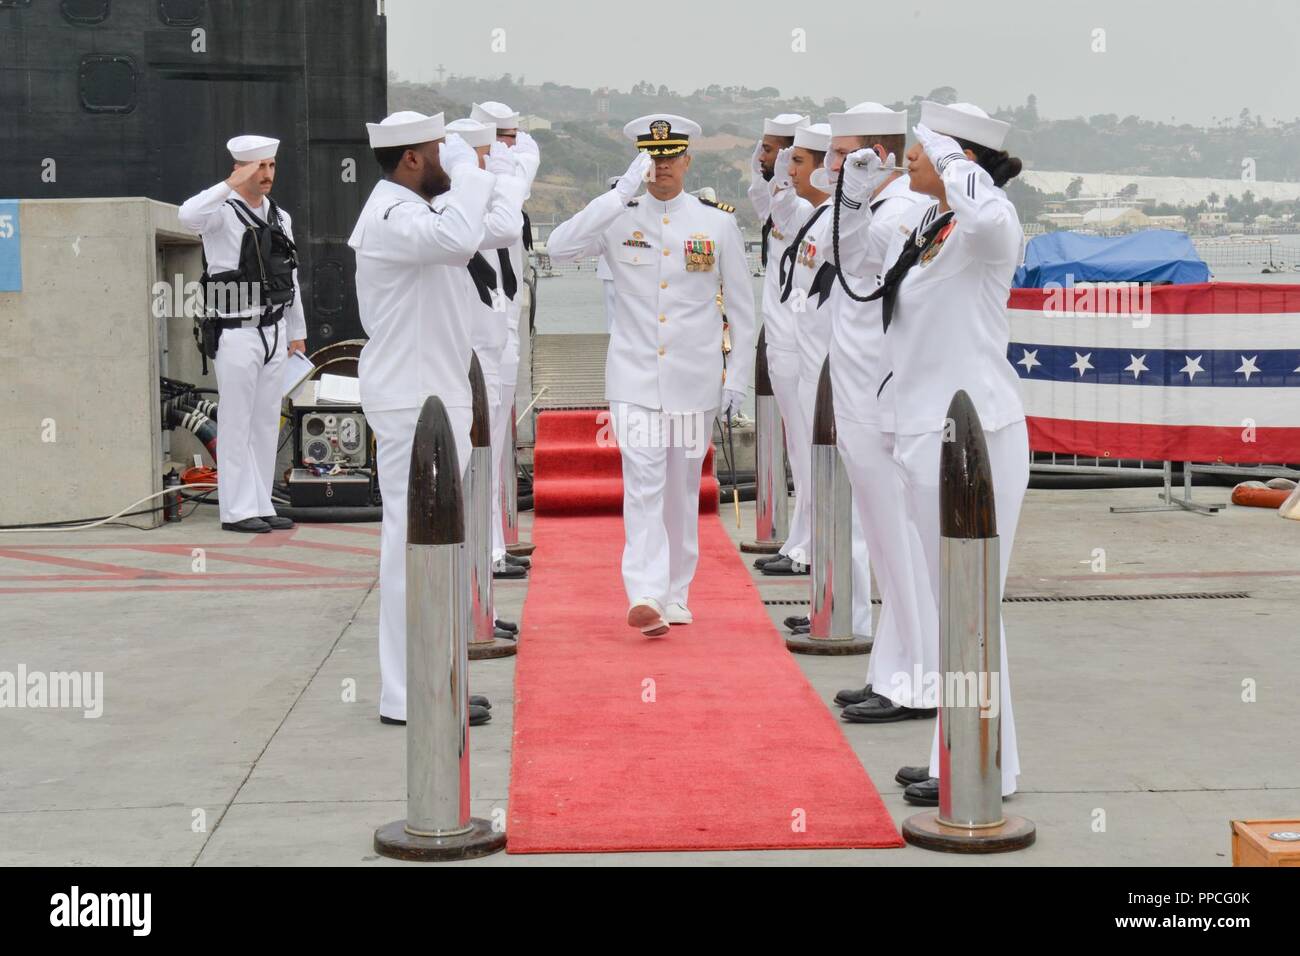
column 665, row 348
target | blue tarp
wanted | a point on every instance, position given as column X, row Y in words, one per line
column 1153, row 255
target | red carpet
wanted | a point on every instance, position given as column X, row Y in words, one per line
column 735, row 752
column 574, row 475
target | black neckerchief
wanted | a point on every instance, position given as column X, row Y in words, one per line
column 767, row 229
column 509, row 284
column 528, row 233
column 787, row 257
column 485, row 278
column 921, row 237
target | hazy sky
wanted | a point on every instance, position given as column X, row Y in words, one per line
column 1189, row 60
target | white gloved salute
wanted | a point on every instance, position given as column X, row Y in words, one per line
column 499, row 161
column 526, row 155
column 455, row 154
column 756, row 165
column 637, row 173
column 941, row 149
column 732, row 400
column 864, row 173
column 781, row 170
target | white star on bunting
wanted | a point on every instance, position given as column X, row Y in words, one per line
column 1138, row 365
column 1248, row 366
column 1192, row 367
column 1029, row 360
column 1081, row 363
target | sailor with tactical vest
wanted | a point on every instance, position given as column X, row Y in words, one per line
column 944, row 315
column 527, row 158
column 249, row 251
column 671, row 254
column 493, row 290
column 779, row 320
column 801, row 210
column 420, row 227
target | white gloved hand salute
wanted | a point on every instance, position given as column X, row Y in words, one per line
column 732, row 400
column 756, row 165
column 781, row 169
column 526, row 155
column 941, row 149
column 637, row 173
column 455, row 154
column 499, row 161
column 864, row 173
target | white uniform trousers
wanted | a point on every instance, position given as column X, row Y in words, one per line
column 1009, row 459
column 783, row 370
column 907, row 609
column 249, row 396
column 798, row 544
column 609, row 303
column 489, row 361
column 661, row 498
column 394, row 433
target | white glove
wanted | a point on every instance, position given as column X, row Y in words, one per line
column 455, row 153
column 499, row 161
column 637, row 173
column 526, row 155
column 941, row 149
column 756, row 165
column 864, row 173
column 781, row 170
column 732, row 400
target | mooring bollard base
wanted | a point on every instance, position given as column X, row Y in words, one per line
column 761, row 547
column 521, row 549
column 392, row 840
column 489, row 650
column 925, row 830
column 803, row 644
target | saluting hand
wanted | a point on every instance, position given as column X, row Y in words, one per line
column 499, row 161
column 455, row 153
column 939, row 148
column 864, row 173
column 526, row 155
column 242, row 174
column 637, row 173
column 756, row 164
column 781, row 169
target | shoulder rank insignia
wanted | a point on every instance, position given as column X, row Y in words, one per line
column 725, row 207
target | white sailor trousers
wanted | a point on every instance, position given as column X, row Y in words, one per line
column 663, row 455
column 918, row 456
column 394, row 433
column 249, row 395
column 489, row 360
column 783, row 371
column 907, row 610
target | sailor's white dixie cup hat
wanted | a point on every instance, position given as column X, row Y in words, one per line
column 661, row 134
column 473, row 132
column 405, row 128
column 816, row 137
column 495, row 114
column 785, row 124
column 964, row 121
column 869, row 119
column 252, row 149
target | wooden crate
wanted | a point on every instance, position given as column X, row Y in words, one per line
column 1252, row 845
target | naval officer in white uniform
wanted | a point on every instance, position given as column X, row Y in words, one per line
column 606, row 275
column 254, row 341
column 944, row 312
column 671, row 254
column 414, row 305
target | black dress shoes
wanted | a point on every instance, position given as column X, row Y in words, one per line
column 797, row 620
column 478, row 714
column 907, row 776
column 923, row 794
column 879, row 709
column 783, row 566
column 510, row 626
column 760, row 561
column 478, row 700
column 801, row 629
column 518, row 561
column 247, row 526
column 277, row 523
column 501, row 634
column 505, row 571
column 846, row 697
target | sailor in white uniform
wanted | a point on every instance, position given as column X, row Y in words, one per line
column 493, row 289
column 524, row 152
column 254, row 340
column 807, row 275
column 782, row 350
column 671, row 254
column 606, row 275
column 944, row 311
column 414, row 305
column 866, row 141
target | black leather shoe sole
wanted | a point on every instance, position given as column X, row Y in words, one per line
column 517, row 561
column 796, row 620
column 391, row 720
column 923, row 794
column 510, row 626
column 277, row 523
column 801, row 629
column 247, row 526
column 478, row 715
column 783, row 567
column 858, row 714
column 907, row 776
column 847, row 698
column 766, row 559
column 510, row 572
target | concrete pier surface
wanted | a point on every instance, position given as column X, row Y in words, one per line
column 1156, row 681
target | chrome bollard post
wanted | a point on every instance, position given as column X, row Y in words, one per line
column 830, row 612
column 438, row 825
column 483, row 644
column 771, row 488
column 969, row 818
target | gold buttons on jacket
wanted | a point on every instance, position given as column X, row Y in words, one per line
column 667, row 252
column 663, row 284
column 661, row 350
column 663, row 318
column 665, row 220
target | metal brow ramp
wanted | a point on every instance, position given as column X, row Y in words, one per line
column 569, row 370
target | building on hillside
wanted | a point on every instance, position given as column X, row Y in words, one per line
column 532, row 124
column 1115, row 219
